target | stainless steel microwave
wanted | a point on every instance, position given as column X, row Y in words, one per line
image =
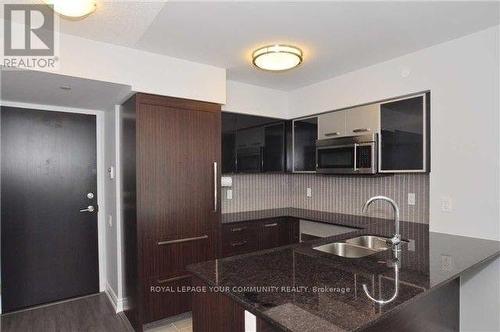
column 347, row 155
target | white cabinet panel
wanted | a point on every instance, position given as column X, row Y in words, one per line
column 363, row 120
column 332, row 125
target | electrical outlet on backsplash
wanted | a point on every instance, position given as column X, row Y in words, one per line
column 340, row 194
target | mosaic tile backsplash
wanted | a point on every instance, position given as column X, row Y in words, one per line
column 341, row 194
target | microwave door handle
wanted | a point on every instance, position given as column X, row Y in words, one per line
column 355, row 157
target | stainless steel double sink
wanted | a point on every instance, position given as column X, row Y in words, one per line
column 357, row 247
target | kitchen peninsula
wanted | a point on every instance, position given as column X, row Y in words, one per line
column 298, row 288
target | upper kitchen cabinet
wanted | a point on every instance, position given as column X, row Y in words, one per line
column 305, row 134
column 252, row 144
column 332, row 125
column 274, row 148
column 362, row 120
column 404, row 141
column 349, row 122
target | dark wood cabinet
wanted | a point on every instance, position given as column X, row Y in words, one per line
column 244, row 237
column 171, row 157
column 253, row 144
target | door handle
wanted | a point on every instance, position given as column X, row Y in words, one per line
column 332, row 134
column 215, row 186
column 90, row 208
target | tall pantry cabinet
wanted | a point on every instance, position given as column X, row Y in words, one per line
column 171, row 199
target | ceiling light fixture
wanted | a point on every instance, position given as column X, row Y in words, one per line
column 277, row 57
column 73, row 8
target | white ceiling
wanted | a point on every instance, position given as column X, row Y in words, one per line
column 35, row 87
column 337, row 37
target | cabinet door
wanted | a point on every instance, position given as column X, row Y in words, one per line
column 363, row 120
column 162, row 297
column 305, row 134
column 228, row 152
column 250, row 138
column 403, row 135
column 274, row 233
column 274, row 148
column 239, row 238
column 332, row 125
column 178, row 152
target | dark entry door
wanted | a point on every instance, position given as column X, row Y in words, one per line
column 49, row 248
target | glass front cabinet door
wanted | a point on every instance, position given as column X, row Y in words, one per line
column 305, row 134
column 404, row 135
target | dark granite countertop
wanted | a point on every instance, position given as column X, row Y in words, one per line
column 297, row 288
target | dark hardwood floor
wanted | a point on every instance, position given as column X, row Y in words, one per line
column 93, row 313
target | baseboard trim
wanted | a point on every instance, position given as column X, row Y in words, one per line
column 119, row 304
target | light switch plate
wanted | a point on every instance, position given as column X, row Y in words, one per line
column 229, row 194
column 226, row 181
column 309, row 192
column 411, row 199
column 446, row 204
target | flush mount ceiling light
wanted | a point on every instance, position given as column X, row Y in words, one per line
column 73, row 8
column 277, row 57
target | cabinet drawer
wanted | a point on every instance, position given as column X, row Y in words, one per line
column 164, row 297
column 274, row 233
column 168, row 257
column 239, row 239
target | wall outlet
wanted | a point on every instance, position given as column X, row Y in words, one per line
column 309, row 192
column 411, row 199
column 111, row 172
column 229, row 194
column 411, row 245
column 446, row 263
column 446, row 204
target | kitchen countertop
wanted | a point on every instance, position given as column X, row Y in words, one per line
column 297, row 288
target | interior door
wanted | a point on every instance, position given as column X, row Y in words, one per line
column 49, row 248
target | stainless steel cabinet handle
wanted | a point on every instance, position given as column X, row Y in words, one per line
column 185, row 276
column 271, row 225
column 188, row 239
column 361, row 130
column 89, row 208
column 238, row 244
column 332, row 134
column 215, row 186
column 355, row 157
column 238, row 229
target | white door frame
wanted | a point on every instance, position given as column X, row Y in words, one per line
column 101, row 174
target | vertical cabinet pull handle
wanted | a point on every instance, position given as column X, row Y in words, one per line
column 355, row 157
column 215, row 186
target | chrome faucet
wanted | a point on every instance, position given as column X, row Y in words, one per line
column 395, row 241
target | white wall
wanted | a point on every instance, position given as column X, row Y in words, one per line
column 463, row 77
column 110, row 202
column 252, row 99
column 143, row 71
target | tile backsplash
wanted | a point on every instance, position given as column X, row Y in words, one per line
column 341, row 194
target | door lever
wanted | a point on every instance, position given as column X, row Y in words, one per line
column 90, row 208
